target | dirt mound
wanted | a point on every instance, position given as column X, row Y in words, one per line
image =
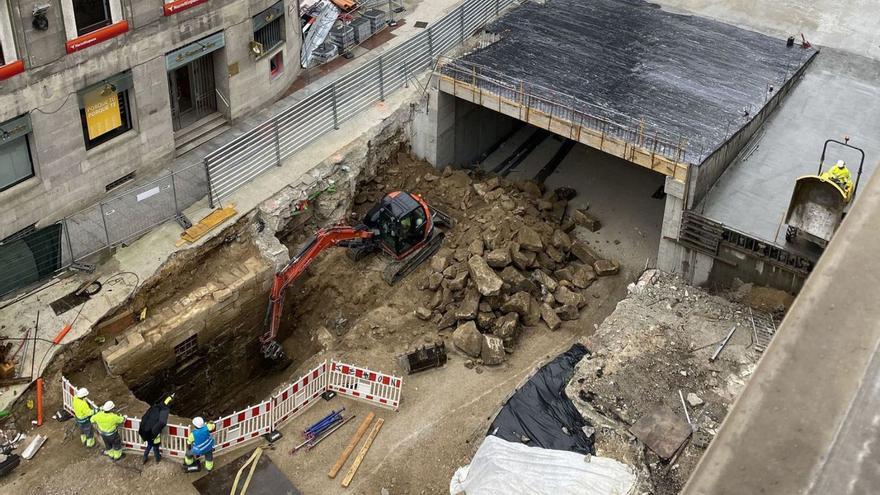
column 508, row 263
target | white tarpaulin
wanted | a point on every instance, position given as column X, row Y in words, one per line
column 511, row 468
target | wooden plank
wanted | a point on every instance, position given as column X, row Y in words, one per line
column 206, row 224
column 360, row 457
column 351, row 445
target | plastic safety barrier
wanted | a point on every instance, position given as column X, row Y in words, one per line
column 243, row 425
column 296, row 397
column 173, row 443
column 364, row 384
column 250, row 423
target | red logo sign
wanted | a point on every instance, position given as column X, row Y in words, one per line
column 180, row 5
column 95, row 37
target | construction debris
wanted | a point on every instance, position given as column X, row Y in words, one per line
column 33, row 447
column 423, row 358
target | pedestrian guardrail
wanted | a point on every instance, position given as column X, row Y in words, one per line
column 242, row 427
column 267, row 145
column 129, row 214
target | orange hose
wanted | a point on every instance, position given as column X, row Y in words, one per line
column 39, row 402
column 58, row 338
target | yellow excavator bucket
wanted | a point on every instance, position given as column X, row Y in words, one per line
column 816, row 207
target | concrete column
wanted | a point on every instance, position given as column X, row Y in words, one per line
column 671, row 255
column 432, row 133
column 6, row 39
column 69, row 19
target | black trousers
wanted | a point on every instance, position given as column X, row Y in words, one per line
column 154, row 447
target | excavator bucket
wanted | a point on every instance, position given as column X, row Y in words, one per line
column 816, row 208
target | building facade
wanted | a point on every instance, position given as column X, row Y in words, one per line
column 95, row 93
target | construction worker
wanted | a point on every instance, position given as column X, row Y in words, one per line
column 841, row 176
column 152, row 424
column 200, row 443
column 108, row 423
column 83, row 410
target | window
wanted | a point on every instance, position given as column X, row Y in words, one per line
column 276, row 64
column 269, row 27
column 91, row 15
column 186, row 349
column 105, row 110
column 15, row 152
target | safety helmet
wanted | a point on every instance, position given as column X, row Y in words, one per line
column 840, row 164
column 108, row 406
column 82, row 393
column 198, row 422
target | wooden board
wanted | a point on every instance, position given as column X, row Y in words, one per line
column 206, row 224
column 360, row 457
column 351, row 445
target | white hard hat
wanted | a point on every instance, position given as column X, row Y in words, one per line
column 840, row 163
column 198, row 422
column 108, row 406
column 82, row 393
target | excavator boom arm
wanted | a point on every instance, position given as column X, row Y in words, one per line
column 323, row 239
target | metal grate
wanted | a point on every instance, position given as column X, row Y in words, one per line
column 186, row 349
column 271, row 35
column 763, row 328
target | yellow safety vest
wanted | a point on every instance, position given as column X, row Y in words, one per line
column 81, row 409
column 107, row 422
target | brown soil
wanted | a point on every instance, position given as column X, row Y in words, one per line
column 444, row 412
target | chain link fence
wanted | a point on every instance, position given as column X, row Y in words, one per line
column 270, row 143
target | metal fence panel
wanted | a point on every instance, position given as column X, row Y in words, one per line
column 86, row 232
column 139, row 210
column 265, row 146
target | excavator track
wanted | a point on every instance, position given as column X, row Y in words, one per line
column 396, row 270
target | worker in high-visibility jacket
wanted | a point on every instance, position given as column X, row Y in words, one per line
column 152, row 423
column 200, row 443
column 108, row 423
column 840, row 175
column 83, row 411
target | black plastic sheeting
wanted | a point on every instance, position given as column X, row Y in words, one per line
column 685, row 77
column 540, row 410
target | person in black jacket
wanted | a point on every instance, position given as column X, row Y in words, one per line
column 152, row 424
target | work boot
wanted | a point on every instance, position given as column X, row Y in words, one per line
column 209, row 465
column 146, row 458
column 83, row 439
column 158, row 459
column 90, row 442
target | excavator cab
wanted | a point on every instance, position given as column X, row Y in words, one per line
column 403, row 223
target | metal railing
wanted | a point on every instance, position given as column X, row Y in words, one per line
column 129, row 214
column 267, row 145
column 561, row 107
column 113, row 221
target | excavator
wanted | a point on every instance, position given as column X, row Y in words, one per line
column 402, row 225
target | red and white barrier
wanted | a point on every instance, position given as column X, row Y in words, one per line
column 173, row 438
column 296, row 397
column 364, row 384
column 243, row 426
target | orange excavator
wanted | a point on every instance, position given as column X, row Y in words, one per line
column 402, row 225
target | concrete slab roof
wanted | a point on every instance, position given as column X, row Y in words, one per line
column 838, row 96
column 683, row 77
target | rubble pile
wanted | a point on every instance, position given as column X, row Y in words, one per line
column 654, row 356
column 511, row 263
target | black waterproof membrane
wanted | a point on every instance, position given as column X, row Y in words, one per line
column 684, row 77
column 540, row 414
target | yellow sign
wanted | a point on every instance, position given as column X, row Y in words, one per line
column 102, row 112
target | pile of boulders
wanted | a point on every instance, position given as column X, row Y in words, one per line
column 513, row 264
